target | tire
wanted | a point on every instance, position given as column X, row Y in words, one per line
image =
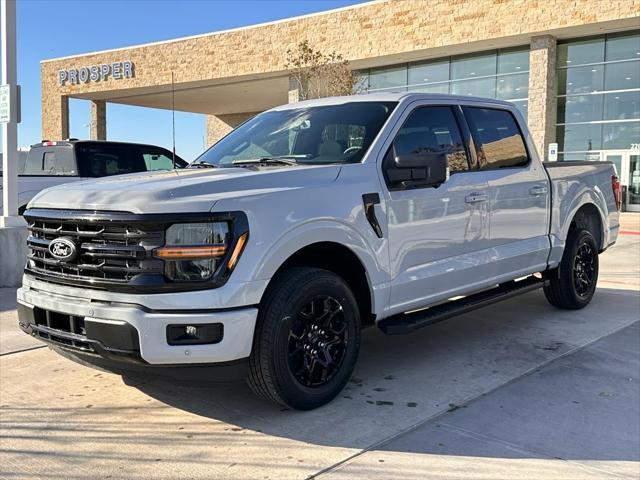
column 294, row 339
column 575, row 283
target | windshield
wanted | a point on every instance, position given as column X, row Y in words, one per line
column 311, row 135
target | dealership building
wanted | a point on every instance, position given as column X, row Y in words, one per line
column 572, row 67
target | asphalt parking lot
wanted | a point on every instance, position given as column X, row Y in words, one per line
column 517, row 389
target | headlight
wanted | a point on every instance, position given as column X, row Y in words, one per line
column 193, row 252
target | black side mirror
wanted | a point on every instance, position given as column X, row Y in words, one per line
column 423, row 169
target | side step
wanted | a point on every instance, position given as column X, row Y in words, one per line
column 403, row 323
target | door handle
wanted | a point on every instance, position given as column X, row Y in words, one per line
column 476, row 197
column 538, row 190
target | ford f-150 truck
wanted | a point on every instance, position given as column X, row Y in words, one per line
column 305, row 224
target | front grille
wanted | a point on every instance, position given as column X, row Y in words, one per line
column 109, row 250
column 60, row 328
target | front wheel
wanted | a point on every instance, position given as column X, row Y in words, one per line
column 307, row 339
column 575, row 284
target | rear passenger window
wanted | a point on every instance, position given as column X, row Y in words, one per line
column 433, row 129
column 55, row 161
column 59, row 163
column 498, row 140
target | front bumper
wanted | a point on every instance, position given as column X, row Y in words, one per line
column 129, row 333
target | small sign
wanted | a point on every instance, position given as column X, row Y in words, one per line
column 5, row 103
column 553, row 152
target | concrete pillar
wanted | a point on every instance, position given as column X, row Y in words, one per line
column 55, row 118
column 543, row 90
column 219, row 125
column 98, row 125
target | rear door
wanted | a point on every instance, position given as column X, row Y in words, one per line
column 437, row 236
column 518, row 193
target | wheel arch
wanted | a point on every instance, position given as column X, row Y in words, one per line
column 589, row 217
column 341, row 260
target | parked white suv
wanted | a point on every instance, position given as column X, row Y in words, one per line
column 304, row 225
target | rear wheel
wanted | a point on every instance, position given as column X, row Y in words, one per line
column 577, row 275
column 307, row 339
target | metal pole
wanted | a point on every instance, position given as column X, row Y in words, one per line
column 10, row 129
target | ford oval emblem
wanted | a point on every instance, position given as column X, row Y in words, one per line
column 63, row 249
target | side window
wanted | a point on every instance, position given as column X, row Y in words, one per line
column 498, row 139
column 433, row 129
column 156, row 160
column 101, row 160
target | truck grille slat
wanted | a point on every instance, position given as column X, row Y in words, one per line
column 107, row 251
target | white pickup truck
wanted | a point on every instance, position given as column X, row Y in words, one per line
column 302, row 226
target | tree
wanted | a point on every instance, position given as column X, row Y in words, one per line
column 315, row 74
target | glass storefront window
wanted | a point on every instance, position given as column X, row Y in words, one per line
column 437, row 88
column 605, row 92
column 477, row 65
column 422, row 73
column 523, row 106
column 482, row 87
column 579, row 108
column 620, row 135
column 579, row 137
column 622, row 76
column 580, row 52
column 513, row 61
column 513, row 86
column 500, row 74
column 581, row 79
column 623, row 46
column 390, row 79
column 622, row 105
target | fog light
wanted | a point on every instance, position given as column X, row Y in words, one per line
column 203, row 334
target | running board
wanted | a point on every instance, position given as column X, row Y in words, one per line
column 408, row 322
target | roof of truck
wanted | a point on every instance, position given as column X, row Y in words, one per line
column 391, row 97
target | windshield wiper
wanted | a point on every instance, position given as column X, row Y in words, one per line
column 283, row 160
column 202, row 164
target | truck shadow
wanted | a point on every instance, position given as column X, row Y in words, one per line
column 401, row 381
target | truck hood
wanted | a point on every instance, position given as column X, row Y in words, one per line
column 190, row 190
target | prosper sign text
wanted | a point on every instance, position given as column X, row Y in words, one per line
column 97, row 73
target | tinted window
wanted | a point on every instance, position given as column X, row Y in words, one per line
column 104, row 160
column 50, row 161
column 433, row 129
column 497, row 137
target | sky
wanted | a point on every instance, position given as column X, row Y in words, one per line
column 56, row 28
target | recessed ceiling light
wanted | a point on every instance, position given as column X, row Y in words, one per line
column 627, row 78
column 518, row 68
column 568, row 61
column 594, row 70
column 472, row 73
column 617, row 98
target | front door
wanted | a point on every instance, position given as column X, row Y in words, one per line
column 437, row 236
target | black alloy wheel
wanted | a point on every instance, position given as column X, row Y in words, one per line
column 306, row 340
column 318, row 340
